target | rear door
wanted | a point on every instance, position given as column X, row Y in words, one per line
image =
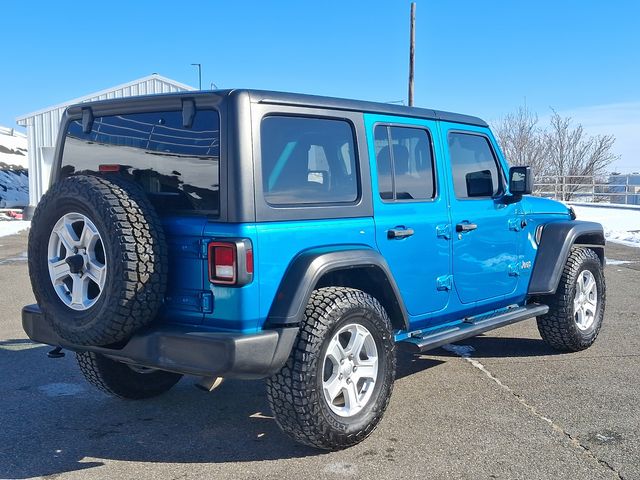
column 411, row 215
column 485, row 242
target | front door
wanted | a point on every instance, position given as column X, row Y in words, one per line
column 485, row 240
column 411, row 215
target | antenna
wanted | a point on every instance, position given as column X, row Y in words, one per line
column 412, row 44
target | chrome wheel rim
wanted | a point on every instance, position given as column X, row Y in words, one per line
column 350, row 370
column 77, row 261
column 585, row 302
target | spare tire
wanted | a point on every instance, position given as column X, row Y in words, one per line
column 97, row 259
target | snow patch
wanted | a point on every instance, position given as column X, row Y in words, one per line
column 11, row 227
column 14, row 180
column 463, row 351
column 620, row 225
column 13, row 148
column 610, row 261
column 61, row 389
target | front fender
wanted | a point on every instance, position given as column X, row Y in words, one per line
column 555, row 245
column 307, row 269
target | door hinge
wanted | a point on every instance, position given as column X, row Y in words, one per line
column 204, row 246
column 443, row 283
column 190, row 300
column 514, row 269
column 515, row 224
column 192, row 248
column 443, row 231
column 206, row 302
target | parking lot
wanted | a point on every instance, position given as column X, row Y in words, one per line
column 502, row 405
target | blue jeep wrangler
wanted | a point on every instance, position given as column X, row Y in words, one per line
column 295, row 238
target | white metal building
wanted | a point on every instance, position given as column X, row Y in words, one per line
column 43, row 125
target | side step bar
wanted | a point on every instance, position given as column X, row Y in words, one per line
column 471, row 328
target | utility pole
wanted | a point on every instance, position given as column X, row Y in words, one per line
column 199, row 65
column 412, row 45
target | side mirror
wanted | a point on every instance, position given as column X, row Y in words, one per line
column 520, row 181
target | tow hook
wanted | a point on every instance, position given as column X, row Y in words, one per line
column 56, row 353
column 209, row 384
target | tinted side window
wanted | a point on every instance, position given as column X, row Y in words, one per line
column 307, row 161
column 474, row 166
column 405, row 163
column 383, row 159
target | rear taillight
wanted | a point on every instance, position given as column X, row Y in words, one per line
column 231, row 262
column 106, row 168
column 223, row 269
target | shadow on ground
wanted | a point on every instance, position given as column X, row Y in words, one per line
column 54, row 422
column 503, row 347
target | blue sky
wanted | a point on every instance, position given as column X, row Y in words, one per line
column 482, row 58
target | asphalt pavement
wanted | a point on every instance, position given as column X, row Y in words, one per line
column 502, row 405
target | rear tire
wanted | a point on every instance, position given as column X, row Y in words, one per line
column 576, row 310
column 301, row 394
column 121, row 380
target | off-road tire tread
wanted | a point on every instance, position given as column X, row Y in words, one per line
column 140, row 273
column 118, row 380
column 556, row 327
column 289, row 391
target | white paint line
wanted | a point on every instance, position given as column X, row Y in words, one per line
column 464, row 351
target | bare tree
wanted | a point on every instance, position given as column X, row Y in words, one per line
column 562, row 156
column 574, row 156
column 521, row 140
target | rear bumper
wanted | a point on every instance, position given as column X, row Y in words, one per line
column 190, row 350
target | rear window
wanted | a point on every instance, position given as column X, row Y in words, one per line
column 308, row 161
column 177, row 167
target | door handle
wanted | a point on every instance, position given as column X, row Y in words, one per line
column 465, row 227
column 399, row 233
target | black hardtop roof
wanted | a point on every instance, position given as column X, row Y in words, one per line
column 299, row 99
column 304, row 100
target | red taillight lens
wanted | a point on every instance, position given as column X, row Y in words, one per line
column 222, row 262
column 231, row 262
column 249, row 258
column 108, row 168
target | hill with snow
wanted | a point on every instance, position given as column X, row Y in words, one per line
column 13, row 147
column 14, row 180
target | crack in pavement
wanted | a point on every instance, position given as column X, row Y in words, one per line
column 464, row 352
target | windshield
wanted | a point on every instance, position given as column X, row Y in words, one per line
column 177, row 167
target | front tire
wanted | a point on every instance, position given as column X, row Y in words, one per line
column 576, row 310
column 337, row 382
column 121, row 380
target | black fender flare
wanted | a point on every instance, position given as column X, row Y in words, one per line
column 306, row 270
column 555, row 246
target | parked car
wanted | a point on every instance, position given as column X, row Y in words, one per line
column 296, row 238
